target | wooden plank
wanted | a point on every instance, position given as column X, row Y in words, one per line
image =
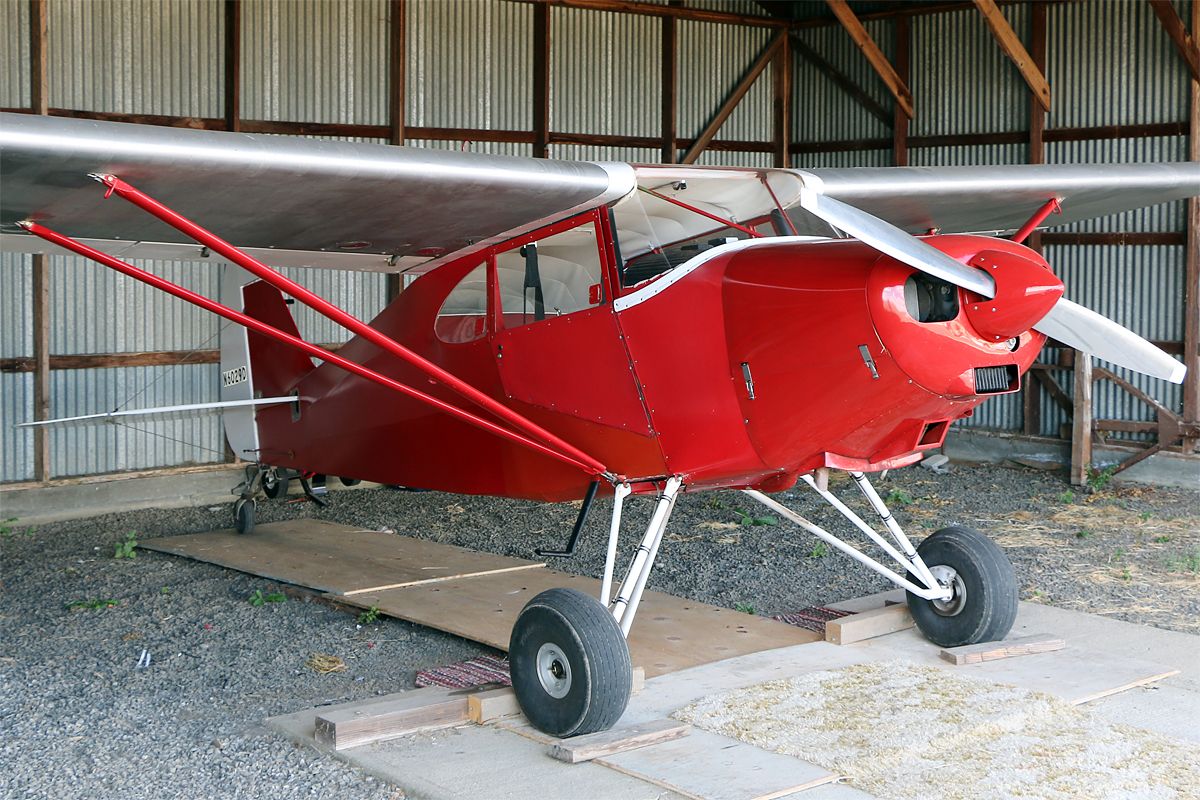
column 994, row 651
column 420, row 709
column 875, row 56
column 668, row 11
column 900, row 120
column 541, row 81
column 713, row 767
column 397, row 61
column 733, row 99
column 337, row 558
column 1184, row 43
column 1081, row 421
column 41, row 360
column 149, row 358
column 781, row 103
column 670, row 89
column 39, row 87
column 618, row 740
column 1010, row 43
column 670, row 633
column 493, row 704
column 868, row 624
column 233, row 65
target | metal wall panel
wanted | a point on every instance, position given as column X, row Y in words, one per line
column 822, row 110
column 843, row 158
column 1112, row 64
column 605, row 73
column 14, row 55
column 712, row 60
column 16, row 305
column 137, row 58
column 16, row 406
column 137, row 444
column 961, row 81
column 968, row 155
column 470, row 65
column 317, row 61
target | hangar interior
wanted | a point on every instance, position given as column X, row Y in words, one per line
column 797, row 83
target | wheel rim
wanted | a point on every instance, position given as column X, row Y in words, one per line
column 553, row 670
column 948, row 578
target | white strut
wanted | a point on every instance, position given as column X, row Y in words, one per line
column 624, row 607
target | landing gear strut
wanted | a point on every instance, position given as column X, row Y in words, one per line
column 568, row 656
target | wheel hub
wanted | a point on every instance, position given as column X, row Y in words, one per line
column 948, row 578
column 553, row 670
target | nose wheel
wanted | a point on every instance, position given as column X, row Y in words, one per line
column 982, row 605
column 570, row 664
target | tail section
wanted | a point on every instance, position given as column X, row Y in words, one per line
column 253, row 365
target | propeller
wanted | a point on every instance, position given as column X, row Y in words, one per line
column 1068, row 322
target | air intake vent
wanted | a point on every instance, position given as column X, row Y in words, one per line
column 992, row 380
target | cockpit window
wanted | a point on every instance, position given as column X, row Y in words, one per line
column 550, row 277
column 463, row 315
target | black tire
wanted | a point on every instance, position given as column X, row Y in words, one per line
column 569, row 663
column 984, row 606
column 243, row 516
column 275, row 484
column 350, row 481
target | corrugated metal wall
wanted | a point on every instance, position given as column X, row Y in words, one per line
column 470, row 66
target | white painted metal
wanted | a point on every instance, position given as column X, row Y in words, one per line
column 241, row 428
column 928, row 593
column 620, row 492
column 667, row 505
column 622, row 607
column 190, row 408
column 890, row 523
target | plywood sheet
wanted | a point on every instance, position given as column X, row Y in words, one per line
column 669, row 634
column 335, row 558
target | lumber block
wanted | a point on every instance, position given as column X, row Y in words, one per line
column 496, row 703
column 993, row 651
column 617, row 740
column 868, row 624
column 420, row 709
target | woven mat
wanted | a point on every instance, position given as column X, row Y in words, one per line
column 466, row 674
column 812, row 618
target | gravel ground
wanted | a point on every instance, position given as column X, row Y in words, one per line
column 78, row 719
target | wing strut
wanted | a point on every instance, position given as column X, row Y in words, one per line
column 530, row 429
column 587, row 464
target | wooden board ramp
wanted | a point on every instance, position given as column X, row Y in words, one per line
column 467, row 593
column 994, row 651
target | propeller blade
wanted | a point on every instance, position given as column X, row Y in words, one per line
column 1069, row 323
column 1084, row 329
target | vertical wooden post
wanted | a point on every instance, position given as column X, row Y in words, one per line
column 39, row 93
column 397, row 100
column 1081, row 422
column 781, row 75
column 233, row 65
column 1031, row 397
column 1191, row 290
column 670, row 87
column 899, row 118
column 541, row 80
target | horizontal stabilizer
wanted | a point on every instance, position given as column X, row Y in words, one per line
column 192, row 408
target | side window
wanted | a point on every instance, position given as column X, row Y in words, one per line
column 551, row 277
column 463, row 315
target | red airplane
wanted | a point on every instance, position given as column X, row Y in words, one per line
column 571, row 328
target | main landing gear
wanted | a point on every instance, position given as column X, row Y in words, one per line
column 568, row 655
column 960, row 586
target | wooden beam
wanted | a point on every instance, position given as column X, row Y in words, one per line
column 391, row 717
column 841, row 80
column 866, row 44
column 1191, row 292
column 672, row 11
column 899, row 118
column 670, row 89
column 618, row 740
column 1081, row 421
column 541, row 81
column 868, row 624
column 1010, row 43
column 39, row 93
column 233, row 64
column 1031, row 394
column 1118, row 238
column 993, row 651
column 1185, row 45
column 397, row 103
column 147, row 358
column 734, row 98
column 781, row 104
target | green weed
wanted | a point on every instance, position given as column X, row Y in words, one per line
column 1161, row 539
column 745, row 608
column 369, row 617
column 1083, row 534
column 260, row 599
column 900, row 496
column 747, row 519
column 94, row 604
column 1067, row 497
column 127, row 548
column 1100, row 478
column 1188, row 562
column 819, row 550
column 7, row 532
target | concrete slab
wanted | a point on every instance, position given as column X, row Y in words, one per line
column 1164, row 708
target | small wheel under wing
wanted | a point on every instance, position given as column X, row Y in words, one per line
column 984, row 604
column 243, row 515
column 570, row 664
column 275, row 483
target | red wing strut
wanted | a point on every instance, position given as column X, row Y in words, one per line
column 311, row 349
